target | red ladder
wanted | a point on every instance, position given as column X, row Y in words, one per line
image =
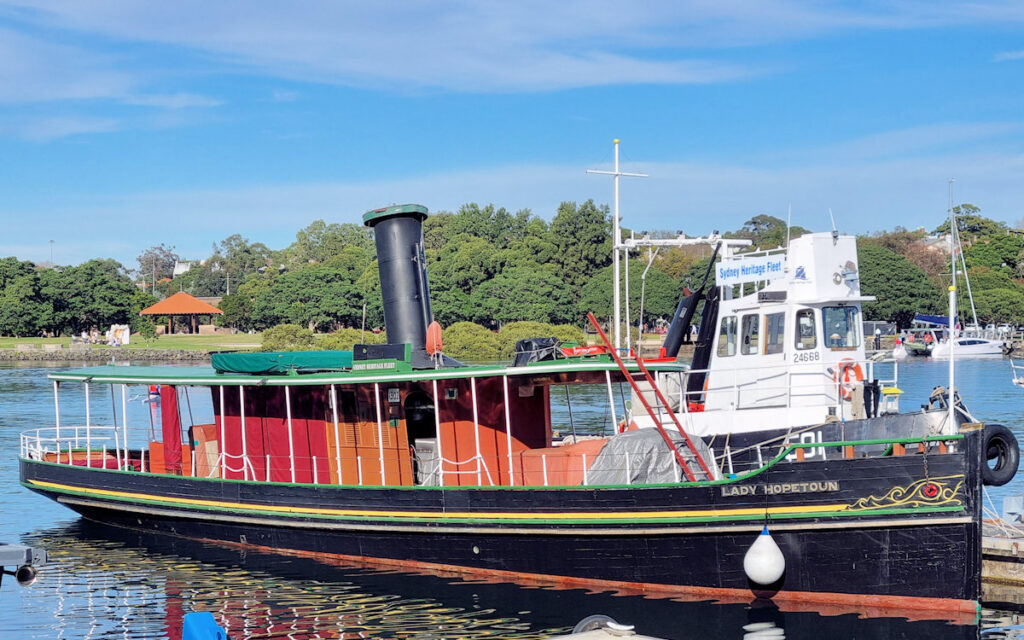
column 650, row 410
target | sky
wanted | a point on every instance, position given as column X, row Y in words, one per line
column 126, row 124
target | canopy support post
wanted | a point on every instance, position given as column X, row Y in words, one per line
column 380, row 431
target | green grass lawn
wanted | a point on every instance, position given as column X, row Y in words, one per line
column 239, row 341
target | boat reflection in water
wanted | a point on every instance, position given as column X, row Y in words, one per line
column 106, row 582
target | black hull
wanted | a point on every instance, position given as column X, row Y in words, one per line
column 900, row 531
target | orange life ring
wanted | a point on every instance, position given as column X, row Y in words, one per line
column 844, row 379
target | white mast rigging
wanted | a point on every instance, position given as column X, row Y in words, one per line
column 617, row 244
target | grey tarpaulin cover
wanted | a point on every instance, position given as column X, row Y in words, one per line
column 650, row 461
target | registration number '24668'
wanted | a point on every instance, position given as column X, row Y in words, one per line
column 806, row 356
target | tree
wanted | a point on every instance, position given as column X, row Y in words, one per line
column 899, row 240
column 323, row 297
column 12, row 268
column 932, row 260
column 496, row 225
column 971, row 224
column 767, row 232
column 582, row 238
column 96, row 293
column 287, row 337
column 676, row 261
column 157, row 262
column 238, row 257
column 320, row 241
column 661, row 294
column 995, row 252
column 455, row 271
column 346, row 339
column 523, row 293
column 902, row 288
column 238, row 307
column 23, row 309
column 1000, row 305
column 471, row 342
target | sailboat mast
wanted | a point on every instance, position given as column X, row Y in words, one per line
column 967, row 280
column 951, row 427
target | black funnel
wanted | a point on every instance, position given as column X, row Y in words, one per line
column 398, row 231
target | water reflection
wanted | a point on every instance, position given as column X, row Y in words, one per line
column 106, row 582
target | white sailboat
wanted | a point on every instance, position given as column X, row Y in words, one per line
column 972, row 340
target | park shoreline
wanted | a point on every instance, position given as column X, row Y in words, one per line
column 119, row 354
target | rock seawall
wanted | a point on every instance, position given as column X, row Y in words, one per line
column 103, row 355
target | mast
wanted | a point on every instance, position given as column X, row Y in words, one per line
column 616, row 243
column 952, row 306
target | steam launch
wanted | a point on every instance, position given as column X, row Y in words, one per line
column 770, row 466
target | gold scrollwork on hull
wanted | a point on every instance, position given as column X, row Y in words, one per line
column 929, row 492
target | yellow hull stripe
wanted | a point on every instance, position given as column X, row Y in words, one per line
column 489, row 515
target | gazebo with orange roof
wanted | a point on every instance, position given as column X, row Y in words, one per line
column 181, row 304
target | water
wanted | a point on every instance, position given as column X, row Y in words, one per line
column 108, row 583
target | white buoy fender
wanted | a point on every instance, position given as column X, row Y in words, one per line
column 764, row 562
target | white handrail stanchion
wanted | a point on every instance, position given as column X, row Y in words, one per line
column 245, row 446
column 380, row 433
column 268, row 467
column 476, row 430
column 88, row 429
column 223, row 438
column 508, row 435
column 291, row 438
column 337, row 437
column 56, row 411
column 124, row 422
column 315, row 479
column 437, row 430
column 611, row 401
column 544, row 467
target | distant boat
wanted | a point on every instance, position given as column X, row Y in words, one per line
column 972, row 340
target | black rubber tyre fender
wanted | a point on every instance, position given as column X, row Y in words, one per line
column 1000, row 445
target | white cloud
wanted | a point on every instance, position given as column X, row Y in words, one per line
column 283, row 95
column 173, row 101
column 932, row 138
column 46, row 128
column 495, row 46
column 696, row 196
column 33, row 70
column 1009, row 55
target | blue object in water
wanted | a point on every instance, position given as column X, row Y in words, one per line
column 200, row 625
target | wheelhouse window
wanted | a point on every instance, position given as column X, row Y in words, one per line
column 806, row 331
column 842, row 327
column 727, row 337
column 775, row 330
column 750, row 334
